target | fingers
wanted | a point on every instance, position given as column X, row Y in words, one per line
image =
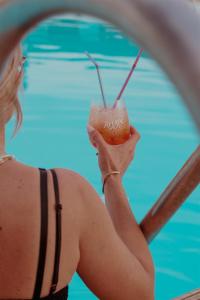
column 96, row 138
column 134, row 138
column 134, row 133
column 98, row 142
column 89, row 130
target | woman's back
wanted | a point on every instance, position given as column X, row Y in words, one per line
column 92, row 243
column 20, row 229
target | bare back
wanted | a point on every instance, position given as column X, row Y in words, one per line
column 90, row 243
column 20, row 230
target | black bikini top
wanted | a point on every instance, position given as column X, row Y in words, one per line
column 62, row 294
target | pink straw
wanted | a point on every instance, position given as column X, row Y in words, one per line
column 128, row 78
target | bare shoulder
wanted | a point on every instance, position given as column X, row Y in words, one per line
column 77, row 190
column 76, row 182
column 82, row 197
column 106, row 265
column 70, row 179
column 68, row 174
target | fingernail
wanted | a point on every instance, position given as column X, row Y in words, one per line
column 90, row 129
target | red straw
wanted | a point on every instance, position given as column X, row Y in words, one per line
column 128, row 78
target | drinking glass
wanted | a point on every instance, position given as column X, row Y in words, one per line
column 111, row 122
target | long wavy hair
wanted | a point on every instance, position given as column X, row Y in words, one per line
column 9, row 87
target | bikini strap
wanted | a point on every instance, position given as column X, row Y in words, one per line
column 43, row 233
column 58, row 208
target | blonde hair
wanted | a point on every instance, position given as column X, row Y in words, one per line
column 9, row 86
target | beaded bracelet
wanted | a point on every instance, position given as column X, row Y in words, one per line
column 107, row 176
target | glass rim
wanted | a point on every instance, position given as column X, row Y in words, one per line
column 99, row 103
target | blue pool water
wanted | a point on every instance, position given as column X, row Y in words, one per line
column 59, row 85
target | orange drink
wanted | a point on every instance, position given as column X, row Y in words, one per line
column 112, row 123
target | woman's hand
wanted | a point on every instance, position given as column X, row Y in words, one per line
column 117, row 157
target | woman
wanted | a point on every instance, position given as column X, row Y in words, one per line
column 53, row 223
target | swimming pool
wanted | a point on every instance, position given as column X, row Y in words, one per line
column 59, row 85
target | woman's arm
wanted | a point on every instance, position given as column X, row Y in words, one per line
column 125, row 223
column 118, row 158
column 109, row 266
column 115, row 261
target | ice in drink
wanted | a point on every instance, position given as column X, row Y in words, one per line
column 112, row 123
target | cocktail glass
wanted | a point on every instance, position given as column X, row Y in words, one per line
column 111, row 122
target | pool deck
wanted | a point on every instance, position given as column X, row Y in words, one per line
column 195, row 295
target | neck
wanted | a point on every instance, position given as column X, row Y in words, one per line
column 2, row 141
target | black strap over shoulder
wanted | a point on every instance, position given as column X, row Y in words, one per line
column 43, row 234
column 58, row 207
